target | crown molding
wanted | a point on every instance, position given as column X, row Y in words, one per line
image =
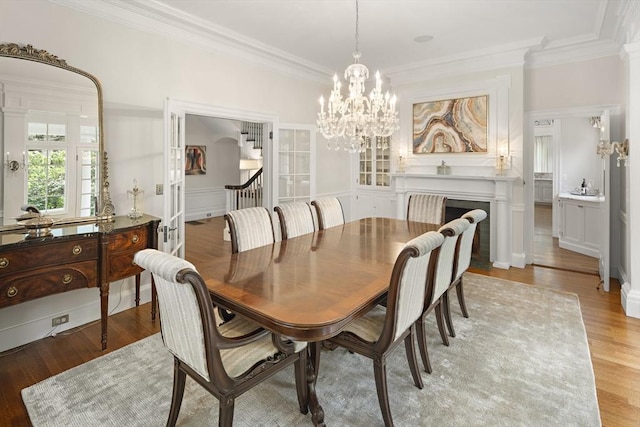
column 572, row 53
column 157, row 18
column 484, row 60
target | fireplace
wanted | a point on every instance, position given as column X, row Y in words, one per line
column 481, row 248
column 467, row 192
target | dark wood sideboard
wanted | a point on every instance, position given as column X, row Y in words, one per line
column 73, row 257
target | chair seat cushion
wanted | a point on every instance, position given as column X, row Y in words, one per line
column 369, row 326
column 237, row 360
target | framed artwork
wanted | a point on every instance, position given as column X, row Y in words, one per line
column 196, row 160
column 451, row 126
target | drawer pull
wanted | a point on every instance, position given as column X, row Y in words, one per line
column 135, row 238
column 66, row 279
column 77, row 250
column 12, row 291
column 4, row 263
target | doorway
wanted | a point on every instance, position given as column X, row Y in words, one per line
column 558, row 169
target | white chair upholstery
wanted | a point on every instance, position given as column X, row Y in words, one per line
column 439, row 284
column 379, row 331
column 426, row 208
column 250, row 228
column 329, row 211
column 296, row 219
column 461, row 264
column 226, row 360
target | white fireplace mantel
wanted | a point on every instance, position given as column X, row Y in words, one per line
column 497, row 190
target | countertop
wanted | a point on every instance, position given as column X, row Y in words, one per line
column 595, row 199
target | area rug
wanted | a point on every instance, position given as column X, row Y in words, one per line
column 521, row 359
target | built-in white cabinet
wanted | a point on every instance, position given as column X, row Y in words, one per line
column 375, row 203
column 543, row 191
column 580, row 229
column 296, row 164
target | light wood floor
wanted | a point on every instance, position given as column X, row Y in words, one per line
column 614, row 339
column 548, row 253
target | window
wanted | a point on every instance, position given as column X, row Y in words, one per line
column 375, row 163
column 543, row 154
column 62, row 163
column 295, row 164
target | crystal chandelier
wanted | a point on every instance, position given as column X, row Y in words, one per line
column 357, row 119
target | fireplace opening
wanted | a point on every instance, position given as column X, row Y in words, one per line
column 481, row 250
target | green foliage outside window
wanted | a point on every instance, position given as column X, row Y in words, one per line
column 46, row 179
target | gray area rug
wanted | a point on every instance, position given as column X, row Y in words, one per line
column 521, row 359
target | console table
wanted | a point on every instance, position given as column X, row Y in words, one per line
column 72, row 257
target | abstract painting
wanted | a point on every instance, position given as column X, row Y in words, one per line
column 451, row 126
column 196, row 160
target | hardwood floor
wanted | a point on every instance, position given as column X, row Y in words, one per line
column 547, row 252
column 614, row 339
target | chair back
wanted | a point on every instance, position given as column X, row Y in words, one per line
column 329, row 211
column 405, row 300
column 426, row 208
column 296, row 218
column 250, row 228
column 443, row 273
column 185, row 316
column 466, row 241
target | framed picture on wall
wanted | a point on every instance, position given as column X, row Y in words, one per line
column 451, row 126
column 196, row 160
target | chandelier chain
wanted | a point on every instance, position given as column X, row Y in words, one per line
column 357, row 28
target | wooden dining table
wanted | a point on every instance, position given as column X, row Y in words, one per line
column 310, row 287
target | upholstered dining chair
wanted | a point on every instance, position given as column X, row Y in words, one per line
column 250, row 228
column 295, row 218
column 438, row 283
column 329, row 212
column 226, row 360
column 426, row 208
column 378, row 332
column 461, row 264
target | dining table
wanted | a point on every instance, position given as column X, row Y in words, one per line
column 310, row 287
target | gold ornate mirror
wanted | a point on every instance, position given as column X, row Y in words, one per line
column 52, row 137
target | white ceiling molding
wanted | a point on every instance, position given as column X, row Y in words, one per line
column 460, row 66
column 158, row 19
column 572, row 53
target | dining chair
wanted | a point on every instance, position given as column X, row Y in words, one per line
column 426, row 208
column 461, row 264
column 381, row 330
column 250, row 228
column 296, row 218
column 438, row 283
column 226, row 360
column 329, row 212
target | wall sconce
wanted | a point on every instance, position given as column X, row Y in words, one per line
column 402, row 159
column 596, row 122
column 13, row 165
column 606, row 148
column 502, row 160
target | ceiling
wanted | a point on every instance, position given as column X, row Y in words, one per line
column 321, row 33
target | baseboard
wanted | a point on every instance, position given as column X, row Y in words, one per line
column 121, row 297
column 630, row 299
column 518, row 260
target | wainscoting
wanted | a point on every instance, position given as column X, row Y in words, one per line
column 204, row 203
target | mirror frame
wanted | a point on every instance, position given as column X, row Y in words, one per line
column 29, row 53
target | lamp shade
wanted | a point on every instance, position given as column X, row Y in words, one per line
column 250, row 164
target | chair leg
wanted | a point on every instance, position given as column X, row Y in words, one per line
column 179, row 378
column 440, row 322
column 422, row 344
column 447, row 313
column 225, row 315
column 380, row 373
column 301, row 381
column 411, row 358
column 463, row 305
column 225, row 414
